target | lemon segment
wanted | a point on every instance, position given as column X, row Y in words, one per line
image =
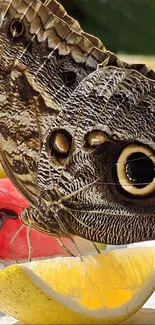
column 103, row 289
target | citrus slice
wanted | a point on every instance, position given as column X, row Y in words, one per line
column 103, row 289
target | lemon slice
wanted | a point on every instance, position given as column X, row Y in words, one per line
column 104, row 288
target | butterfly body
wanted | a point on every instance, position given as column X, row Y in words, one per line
column 74, row 123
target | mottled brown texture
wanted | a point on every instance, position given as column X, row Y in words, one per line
column 56, row 79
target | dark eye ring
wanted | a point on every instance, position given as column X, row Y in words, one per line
column 16, row 28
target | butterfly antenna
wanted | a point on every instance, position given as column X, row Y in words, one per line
column 12, row 240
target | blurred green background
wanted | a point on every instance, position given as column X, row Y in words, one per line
column 124, row 26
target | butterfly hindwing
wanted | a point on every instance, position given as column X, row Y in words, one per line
column 108, row 119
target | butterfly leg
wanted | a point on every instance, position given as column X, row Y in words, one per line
column 11, row 242
column 67, row 234
column 67, row 250
column 79, row 253
column 96, row 248
column 29, row 244
column 64, row 247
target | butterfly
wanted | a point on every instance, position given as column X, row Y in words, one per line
column 76, row 127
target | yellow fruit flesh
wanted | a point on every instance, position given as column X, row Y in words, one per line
column 32, row 306
column 103, row 289
column 111, row 280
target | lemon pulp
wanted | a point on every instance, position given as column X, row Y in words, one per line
column 104, row 288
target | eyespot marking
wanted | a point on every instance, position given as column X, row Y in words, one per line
column 16, row 28
column 136, row 170
column 60, row 143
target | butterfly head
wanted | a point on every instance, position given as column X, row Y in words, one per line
column 50, row 221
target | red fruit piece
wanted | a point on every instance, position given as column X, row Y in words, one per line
column 12, row 203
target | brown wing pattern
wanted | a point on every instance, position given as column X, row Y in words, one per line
column 69, row 111
column 40, row 66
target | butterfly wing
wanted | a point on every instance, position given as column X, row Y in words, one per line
column 46, row 59
column 106, row 180
column 43, row 57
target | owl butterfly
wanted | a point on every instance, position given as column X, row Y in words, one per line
column 76, row 127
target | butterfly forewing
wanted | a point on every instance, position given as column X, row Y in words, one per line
column 43, row 57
